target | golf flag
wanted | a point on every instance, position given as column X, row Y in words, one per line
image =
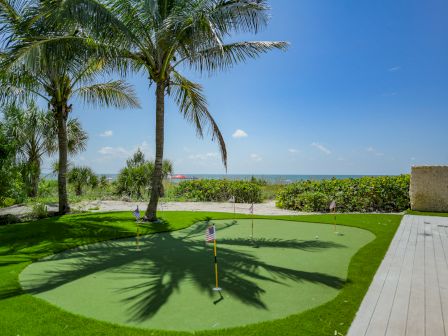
column 210, row 234
column 333, row 205
column 232, row 199
column 251, row 209
column 136, row 213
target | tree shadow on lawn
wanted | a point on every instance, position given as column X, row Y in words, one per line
column 164, row 260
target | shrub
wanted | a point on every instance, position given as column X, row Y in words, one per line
column 39, row 210
column 81, row 177
column 219, row 191
column 312, row 201
column 7, row 202
column 365, row 194
column 47, row 187
column 9, row 219
column 134, row 180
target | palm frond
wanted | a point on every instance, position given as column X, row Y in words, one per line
column 76, row 137
column 193, row 106
column 226, row 56
column 240, row 15
column 113, row 93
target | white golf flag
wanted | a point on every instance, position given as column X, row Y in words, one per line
column 232, row 199
column 333, row 205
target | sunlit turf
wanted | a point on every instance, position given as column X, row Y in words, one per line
column 424, row 213
column 20, row 244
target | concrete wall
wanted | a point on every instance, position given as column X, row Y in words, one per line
column 429, row 188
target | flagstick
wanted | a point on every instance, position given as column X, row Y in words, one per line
column 138, row 237
column 216, row 261
column 252, row 235
column 334, row 219
column 216, row 267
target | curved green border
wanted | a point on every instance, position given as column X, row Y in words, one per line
column 23, row 314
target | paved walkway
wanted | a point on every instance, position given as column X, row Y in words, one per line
column 409, row 293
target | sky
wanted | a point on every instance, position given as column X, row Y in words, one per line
column 362, row 89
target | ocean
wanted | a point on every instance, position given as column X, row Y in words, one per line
column 270, row 178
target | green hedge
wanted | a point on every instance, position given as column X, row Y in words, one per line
column 365, row 194
column 219, row 191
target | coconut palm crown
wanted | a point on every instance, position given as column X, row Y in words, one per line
column 159, row 37
column 47, row 56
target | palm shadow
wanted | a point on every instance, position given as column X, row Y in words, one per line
column 165, row 260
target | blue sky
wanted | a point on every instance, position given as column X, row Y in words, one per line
column 363, row 89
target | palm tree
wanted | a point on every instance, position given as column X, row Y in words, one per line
column 136, row 177
column 34, row 131
column 160, row 36
column 80, row 177
column 55, row 71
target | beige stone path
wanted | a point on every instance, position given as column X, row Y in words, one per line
column 409, row 293
column 266, row 208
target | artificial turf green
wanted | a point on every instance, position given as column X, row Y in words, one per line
column 287, row 268
column 425, row 213
column 25, row 315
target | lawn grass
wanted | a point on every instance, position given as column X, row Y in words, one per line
column 424, row 213
column 23, row 314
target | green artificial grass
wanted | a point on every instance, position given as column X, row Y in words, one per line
column 424, row 213
column 287, row 268
column 23, row 314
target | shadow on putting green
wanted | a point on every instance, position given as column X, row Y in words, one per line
column 165, row 260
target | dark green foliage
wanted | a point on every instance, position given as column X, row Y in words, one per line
column 81, row 177
column 312, row 201
column 219, row 191
column 135, row 179
column 11, row 186
column 365, row 194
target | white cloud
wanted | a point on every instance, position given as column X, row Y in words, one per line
column 394, row 69
column 107, row 133
column 119, row 152
column 374, row 151
column 114, row 152
column 256, row 157
column 322, row 148
column 293, row 150
column 203, row 157
column 239, row 133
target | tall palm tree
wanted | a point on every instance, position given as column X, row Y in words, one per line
column 160, row 36
column 35, row 130
column 55, row 71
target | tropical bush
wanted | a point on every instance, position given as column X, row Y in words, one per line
column 39, row 211
column 81, row 177
column 135, row 179
column 219, row 191
column 11, row 185
column 365, row 194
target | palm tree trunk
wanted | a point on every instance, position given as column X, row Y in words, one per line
column 151, row 211
column 61, row 115
column 34, row 177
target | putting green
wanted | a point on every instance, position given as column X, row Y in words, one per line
column 168, row 283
